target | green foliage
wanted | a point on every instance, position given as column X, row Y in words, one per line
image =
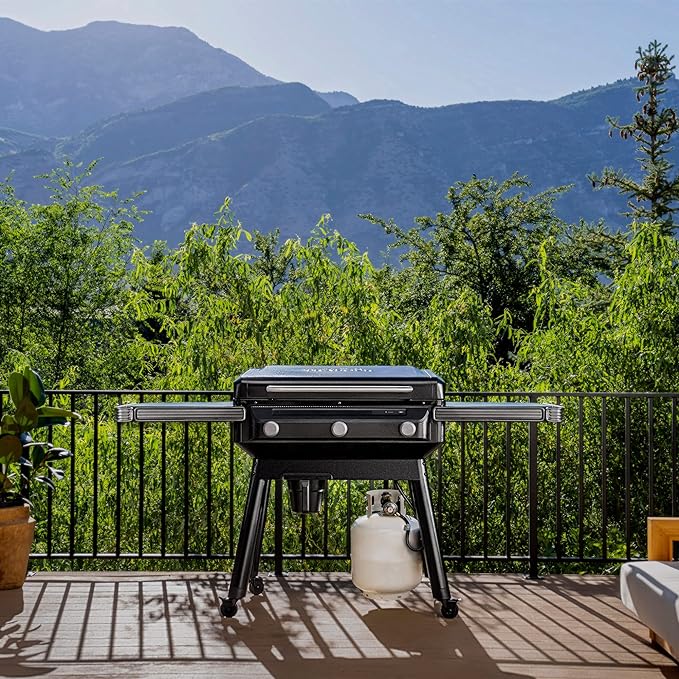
column 23, row 460
column 488, row 245
column 654, row 198
column 487, row 241
column 497, row 293
column 63, row 270
column 609, row 335
column 215, row 311
column 644, row 310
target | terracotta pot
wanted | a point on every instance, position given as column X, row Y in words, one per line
column 16, row 538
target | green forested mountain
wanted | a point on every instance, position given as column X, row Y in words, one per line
column 130, row 135
column 382, row 157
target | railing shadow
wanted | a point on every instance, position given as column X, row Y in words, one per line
column 80, row 623
column 573, row 623
column 324, row 632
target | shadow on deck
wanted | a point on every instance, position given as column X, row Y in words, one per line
column 143, row 624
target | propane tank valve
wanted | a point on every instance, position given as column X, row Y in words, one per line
column 389, row 507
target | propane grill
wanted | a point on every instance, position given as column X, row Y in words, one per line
column 309, row 424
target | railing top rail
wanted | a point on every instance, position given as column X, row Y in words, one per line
column 567, row 394
column 449, row 394
column 139, row 392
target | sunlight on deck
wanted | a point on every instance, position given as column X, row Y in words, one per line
column 111, row 624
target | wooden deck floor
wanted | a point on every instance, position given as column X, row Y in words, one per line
column 318, row 626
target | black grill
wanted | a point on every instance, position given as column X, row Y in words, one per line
column 309, row 424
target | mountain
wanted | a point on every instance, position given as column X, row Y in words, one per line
column 56, row 83
column 616, row 99
column 338, row 98
column 130, row 135
column 285, row 157
column 13, row 141
column 382, row 157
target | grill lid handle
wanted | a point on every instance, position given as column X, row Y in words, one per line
column 485, row 411
column 338, row 388
column 211, row 411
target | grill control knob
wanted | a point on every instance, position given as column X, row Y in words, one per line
column 408, row 429
column 270, row 429
column 339, row 428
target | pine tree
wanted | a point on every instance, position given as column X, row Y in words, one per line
column 654, row 198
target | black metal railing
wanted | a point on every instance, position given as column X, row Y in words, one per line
column 511, row 496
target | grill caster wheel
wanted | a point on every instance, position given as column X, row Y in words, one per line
column 256, row 585
column 449, row 609
column 228, row 608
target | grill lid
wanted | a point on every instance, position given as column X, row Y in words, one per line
column 351, row 383
column 338, row 373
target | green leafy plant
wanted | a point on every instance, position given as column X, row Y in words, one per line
column 23, row 460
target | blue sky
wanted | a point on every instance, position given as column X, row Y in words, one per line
column 423, row 52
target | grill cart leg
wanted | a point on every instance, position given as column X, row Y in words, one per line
column 432, row 552
column 246, row 552
column 256, row 583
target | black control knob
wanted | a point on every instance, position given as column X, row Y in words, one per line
column 408, row 429
column 270, row 429
column 339, row 429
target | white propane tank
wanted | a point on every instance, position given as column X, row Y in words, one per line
column 386, row 556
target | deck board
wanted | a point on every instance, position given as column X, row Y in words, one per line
column 103, row 624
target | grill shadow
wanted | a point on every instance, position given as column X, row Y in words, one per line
column 136, row 624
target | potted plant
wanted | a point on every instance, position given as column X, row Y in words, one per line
column 23, row 461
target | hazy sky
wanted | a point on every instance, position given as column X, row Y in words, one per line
column 425, row 52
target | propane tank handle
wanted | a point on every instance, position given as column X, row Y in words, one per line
column 386, row 501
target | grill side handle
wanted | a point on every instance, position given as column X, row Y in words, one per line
column 211, row 411
column 485, row 411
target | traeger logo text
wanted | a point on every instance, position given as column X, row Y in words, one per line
column 348, row 369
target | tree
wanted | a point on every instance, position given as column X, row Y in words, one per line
column 654, row 198
column 487, row 243
column 272, row 259
column 64, row 278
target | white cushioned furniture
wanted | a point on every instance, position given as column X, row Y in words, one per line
column 650, row 589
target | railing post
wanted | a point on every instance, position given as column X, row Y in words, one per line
column 533, row 498
column 278, row 527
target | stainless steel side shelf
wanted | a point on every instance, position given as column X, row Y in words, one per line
column 217, row 411
column 487, row 411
